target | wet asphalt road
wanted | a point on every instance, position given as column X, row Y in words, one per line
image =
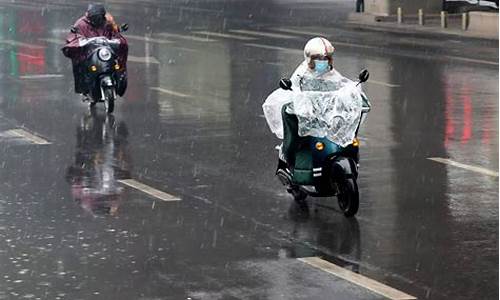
column 191, row 125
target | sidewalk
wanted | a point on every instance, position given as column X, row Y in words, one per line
column 410, row 25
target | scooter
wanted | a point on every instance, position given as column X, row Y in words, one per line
column 323, row 168
column 104, row 76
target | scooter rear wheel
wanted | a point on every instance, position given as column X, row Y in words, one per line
column 299, row 196
column 348, row 197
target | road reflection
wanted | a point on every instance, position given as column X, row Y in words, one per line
column 101, row 158
column 329, row 232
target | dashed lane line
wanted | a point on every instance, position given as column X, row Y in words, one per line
column 224, row 35
column 143, row 59
column 149, row 190
column 41, row 76
column 451, row 57
column 291, row 50
column 147, row 39
column 21, row 44
column 302, row 32
column 53, row 41
column 263, row 34
column 357, row 279
column 186, row 37
column 170, row 92
column 391, row 85
column 464, row 166
column 27, row 136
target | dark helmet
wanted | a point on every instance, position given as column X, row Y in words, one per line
column 96, row 14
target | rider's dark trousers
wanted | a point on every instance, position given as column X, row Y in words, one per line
column 79, row 77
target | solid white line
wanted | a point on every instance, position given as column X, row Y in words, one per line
column 391, row 85
column 264, row 34
column 143, row 60
column 464, row 166
column 225, row 35
column 27, row 136
column 275, row 48
column 170, row 92
column 147, row 39
column 41, row 76
column 149, row 190
column 187, row 37
column 357, row 279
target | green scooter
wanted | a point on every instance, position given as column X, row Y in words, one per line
column 321, row 168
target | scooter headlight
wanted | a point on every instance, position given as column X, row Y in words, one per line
column 104, row 54
column 355, row 142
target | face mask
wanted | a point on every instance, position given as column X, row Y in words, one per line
column 321, row 66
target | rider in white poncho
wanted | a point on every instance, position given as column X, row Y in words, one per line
column 325, row 103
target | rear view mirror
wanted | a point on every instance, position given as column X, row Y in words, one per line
column 286, row 84
column 363, row 76
column 73, row 29
column 124, row 27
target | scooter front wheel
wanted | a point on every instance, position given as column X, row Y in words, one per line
column 109, row 103
column 348, row 197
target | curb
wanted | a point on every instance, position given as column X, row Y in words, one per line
column 380, row 23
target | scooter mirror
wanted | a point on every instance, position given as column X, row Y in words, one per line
column 73, row 29
column 286, row 84
column 363, row 76
column 124, row 27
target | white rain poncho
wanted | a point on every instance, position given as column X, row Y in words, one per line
column 328, row 105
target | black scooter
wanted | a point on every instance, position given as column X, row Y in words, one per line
column 103, row 75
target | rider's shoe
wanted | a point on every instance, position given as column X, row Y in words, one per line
column 85, row 98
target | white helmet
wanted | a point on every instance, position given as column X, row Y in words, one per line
column 318, row 46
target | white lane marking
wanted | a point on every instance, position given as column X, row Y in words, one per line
column 53, row 41
column 464, row 166
column 41, row 76
column 143, row 60
column 472, row 60
column 27, row 136
column 170, row 92
column 21, row 44
column 275, row 48
column 147, row 39
column 357, row 279
column 186, row 37
column 184, row 49
column 149, row 190
column 29, row 55
column 264, row 34
column 300, row 32
column 225, row 35
column 391, row 85
column 298, row 50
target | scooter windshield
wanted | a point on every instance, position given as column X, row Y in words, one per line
column 326, row 106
